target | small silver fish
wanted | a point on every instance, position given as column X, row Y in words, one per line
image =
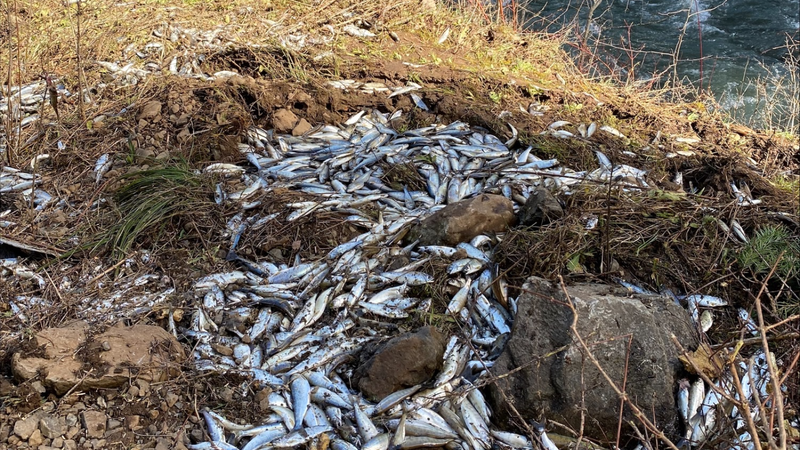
column 101, row 167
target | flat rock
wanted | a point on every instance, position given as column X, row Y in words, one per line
column 463, row 220
column 540, row 209
column 283, row 121
column 114, row 357
column 402, row 362
column 556, row 377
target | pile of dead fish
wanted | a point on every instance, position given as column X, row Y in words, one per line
column 289, row 345
column 303, row 320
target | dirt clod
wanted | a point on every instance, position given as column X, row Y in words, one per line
column 283, row 121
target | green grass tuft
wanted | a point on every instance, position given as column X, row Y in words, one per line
column 763, row 250
column 151, row 204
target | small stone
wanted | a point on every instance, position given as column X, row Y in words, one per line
column 144, row 387
column 71, row 420
column 38, row 387
column 95, row 423
column 58, row 442
column 133, row 422
column 72, row 432
column 196, row 435
column 283, row 121
column 5, row 431
column 171, row 399
column 302, row 128
column 222, row 349
column 226, row 394
column 25, row 427
column 35, row 439
column 144, row 153
column 163, row 444
column 52, row 427
column 540, row 209
column 69, row 444
column 13, row 441
column 263, row 393
column 133, row 391
column 184, row 135
column 113, row 423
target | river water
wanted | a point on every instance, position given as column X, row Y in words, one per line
column 744, row 55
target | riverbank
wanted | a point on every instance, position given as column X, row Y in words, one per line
column 179, row 86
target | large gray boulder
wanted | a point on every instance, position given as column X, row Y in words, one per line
column 556, row 376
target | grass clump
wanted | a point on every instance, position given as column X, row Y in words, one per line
column 153, row 203
column 762, row 252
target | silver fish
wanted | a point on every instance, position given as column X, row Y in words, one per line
column 301, row 397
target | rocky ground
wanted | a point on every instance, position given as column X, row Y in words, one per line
column 93, row 364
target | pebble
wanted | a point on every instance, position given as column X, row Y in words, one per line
column 95, row 423
column 72, row 432
column 51, row 426
column 114, row 423
column 144, row 387
column 35, row 439
column 25, row 427
column 133, row 422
